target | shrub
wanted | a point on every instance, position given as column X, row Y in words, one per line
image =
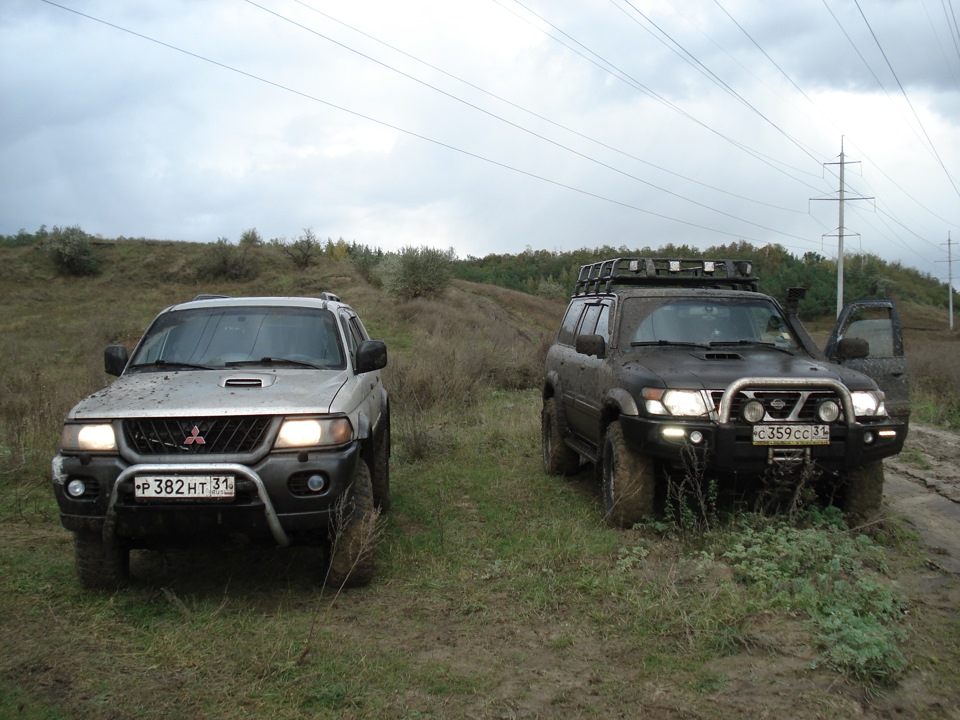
column 417, row 272
column 71, row 251
column 223, row 260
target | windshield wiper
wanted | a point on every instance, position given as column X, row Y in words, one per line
column 161, row 363
column 273, row 361
column 661, row 343
column 751, row 343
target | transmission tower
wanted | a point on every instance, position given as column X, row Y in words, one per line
column 841, row 199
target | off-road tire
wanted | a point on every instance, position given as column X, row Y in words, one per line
column 380, row 473
column 101, row 564
column 864, row 494
column 627, row 480
column 353, row 539
column 558, row 458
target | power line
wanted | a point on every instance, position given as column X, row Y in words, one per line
column 520, row 127
column 561, row 126
column 626, row 78
column 932, row 148
column 410, row 133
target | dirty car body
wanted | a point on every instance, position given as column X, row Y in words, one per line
column 662, row 366
column 233, row 417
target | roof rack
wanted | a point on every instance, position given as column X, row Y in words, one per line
column 209, row 296
column 599, row 277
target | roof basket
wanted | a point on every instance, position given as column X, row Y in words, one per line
column 600, row 277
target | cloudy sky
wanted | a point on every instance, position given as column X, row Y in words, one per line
column 487, row 126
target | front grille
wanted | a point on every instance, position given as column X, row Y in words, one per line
column 781, row 405
column 195, row 436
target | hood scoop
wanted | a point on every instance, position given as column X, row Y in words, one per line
column 720, row 355
column 248, row 381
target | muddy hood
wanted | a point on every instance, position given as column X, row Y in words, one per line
column 715, row 369
column 200, row 393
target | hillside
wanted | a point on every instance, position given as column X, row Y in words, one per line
column 499, row 592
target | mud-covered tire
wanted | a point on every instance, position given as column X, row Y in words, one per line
column 353, row 537
column 558, row 458
column 380, row 473
column 864, row 494
column 627, row 480
column 101, row 564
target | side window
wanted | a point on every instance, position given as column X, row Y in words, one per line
column 589, row 323
column 568, row 327
column 349, row 333
column 876, row 327
column 603, row 323
column 359, row 331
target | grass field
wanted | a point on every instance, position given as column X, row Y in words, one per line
column 499, row 592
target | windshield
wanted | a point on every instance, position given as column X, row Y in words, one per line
column 232, row 336
column 709, row 322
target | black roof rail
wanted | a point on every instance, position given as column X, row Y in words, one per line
column 210, row 296
column 600, row 277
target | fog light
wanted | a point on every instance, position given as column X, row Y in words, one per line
column 868, row 438
column 673, row 432
column 316, row 483
column 76, row 488
column 753, row 411
column 828, row 411
column 887, row 433
column 696, row 437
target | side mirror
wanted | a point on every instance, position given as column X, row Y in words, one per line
column 115, row 359
column 591, row 345
column 371, row 355
column 852, row 349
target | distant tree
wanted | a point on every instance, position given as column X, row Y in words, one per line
column 366, row 261
column 71, row 251
column 250, row 239
column 338, row 250
column 304, row 250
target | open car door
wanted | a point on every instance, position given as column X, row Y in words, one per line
column 878, row 323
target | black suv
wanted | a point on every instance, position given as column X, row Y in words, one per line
column 260, row 417
column 662, row 365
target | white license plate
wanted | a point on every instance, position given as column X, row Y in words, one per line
column 791, row 434
column 184, row 486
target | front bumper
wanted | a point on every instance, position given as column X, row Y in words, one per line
column 263, row 508
column 728, row 448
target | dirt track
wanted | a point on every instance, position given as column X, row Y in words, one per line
column 923, row 485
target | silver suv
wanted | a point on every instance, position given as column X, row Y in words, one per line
column 260, row 417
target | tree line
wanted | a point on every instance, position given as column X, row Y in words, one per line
column 424, row 271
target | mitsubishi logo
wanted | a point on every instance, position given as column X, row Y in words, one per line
column 194, row 437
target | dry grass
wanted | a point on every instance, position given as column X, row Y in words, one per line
column 498, row 592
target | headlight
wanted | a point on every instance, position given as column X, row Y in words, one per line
column 681, row 403
column 868, row 403
column 753, row 411
column 88, row 438
column 828, row 411
column 313, row 431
